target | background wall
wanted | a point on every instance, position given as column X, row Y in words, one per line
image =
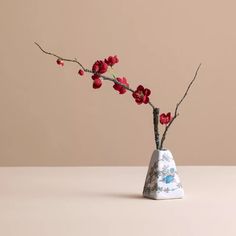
column 51, row 116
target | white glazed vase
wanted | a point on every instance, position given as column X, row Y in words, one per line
column 162, row 180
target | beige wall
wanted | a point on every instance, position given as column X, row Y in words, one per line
column 50, row 116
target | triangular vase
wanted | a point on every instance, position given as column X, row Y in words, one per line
column 162, row 180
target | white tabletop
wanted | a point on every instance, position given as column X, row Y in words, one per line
column 84, row 201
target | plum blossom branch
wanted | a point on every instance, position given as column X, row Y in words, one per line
column 141, row 94
column 91, row 71
column 177, row 107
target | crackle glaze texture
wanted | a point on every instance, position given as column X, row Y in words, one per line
column 162, row 180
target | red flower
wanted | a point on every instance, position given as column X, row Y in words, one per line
column 95, row 77
column 111, row 60
column 60, row 62
column 100, row 67
column 119, row 87
column 165, row 118
column 141, row 95
column 97, row 82
column 81, row 72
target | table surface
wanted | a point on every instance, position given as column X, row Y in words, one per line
column 84, row 201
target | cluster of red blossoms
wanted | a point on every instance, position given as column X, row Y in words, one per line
column 141, row 94
column 100, row 67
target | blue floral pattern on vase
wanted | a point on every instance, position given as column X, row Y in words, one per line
column 168, row 179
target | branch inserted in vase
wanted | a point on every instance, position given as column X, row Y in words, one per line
column 141, row 94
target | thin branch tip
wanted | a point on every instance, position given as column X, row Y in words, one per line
column 178, row 104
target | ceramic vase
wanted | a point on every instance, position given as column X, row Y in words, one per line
column 162, row 180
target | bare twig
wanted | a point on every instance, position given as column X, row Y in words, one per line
column 177, row 107
column 90, row 71
column 64, row 59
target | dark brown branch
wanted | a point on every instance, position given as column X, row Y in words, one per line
column 177, row 107
column 155, row 124
column 89, row 71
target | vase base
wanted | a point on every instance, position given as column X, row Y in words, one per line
column 177, row 194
